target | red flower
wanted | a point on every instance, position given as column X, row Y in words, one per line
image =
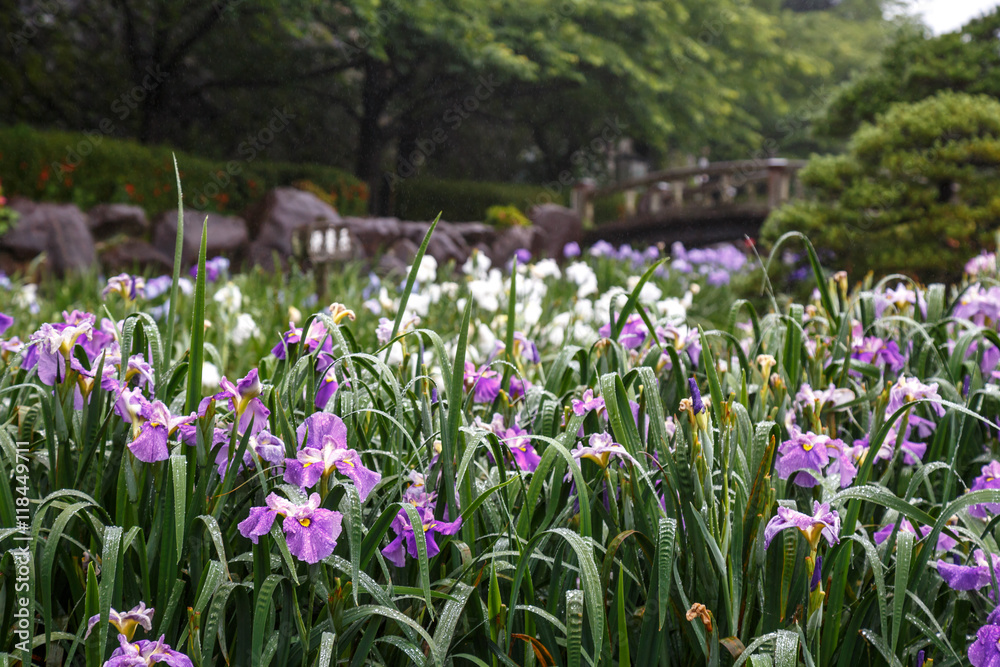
column 130, row 189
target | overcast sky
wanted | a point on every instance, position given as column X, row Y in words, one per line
column 947, row 15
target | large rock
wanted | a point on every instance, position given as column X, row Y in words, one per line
column 398, row 258
column 134, row 255
column 109, row 220
column 446, row 244
column 510, row 241
column 59, row 230
column 476, row 233
column 556, row 226
column 375, row 234
column 227, row 235
column 274, row 220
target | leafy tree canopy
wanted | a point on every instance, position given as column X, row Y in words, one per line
column 915, row 193
column 390, row 86
column 916, row 66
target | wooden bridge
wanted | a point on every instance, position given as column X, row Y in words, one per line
column 721, row 201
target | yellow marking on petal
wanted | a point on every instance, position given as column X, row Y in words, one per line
column 807, row 446
column 304, row 523
column 428, row 526
column 599, row 459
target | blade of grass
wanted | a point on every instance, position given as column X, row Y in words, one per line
column 178, row 253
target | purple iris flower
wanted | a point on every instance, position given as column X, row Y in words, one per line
column 944, row 542
column 244, row 399
column 145, row 653
column 804, row 451
column 632, row 334
column 571, row 249
column 126, row 622
column 985, row 651
column 395, row 552
column 718, row 277
column 907, row 390
column 599, row 449
column 873, row 350
column 316, row 337
column 516, row 439
column 526, row 348
column 310, row 530
column 55, row 343
column 518, row 387
column 684, row 339
column 129, row 288
column 809, row 451
column 137, row 367
column 523, row 255
column 587, row 403
column 989, row 479
column 10, row 347
column 822, row 523
column 152, row 426
column 979, row 305
column 484, row 383
column 158, row 286
column 602, row 249
column 5, row 322
column 681, row 266
column 817, row 399
column 213, row 269
column 416, row 493
column 323, row 442
column 521, row 449
column 970, row 577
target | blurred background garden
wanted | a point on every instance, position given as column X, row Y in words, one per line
column 407, row 109
column 719, row 276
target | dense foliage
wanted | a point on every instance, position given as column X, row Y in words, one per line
column 90, row 168
column 469, row 89
column 915, row 192
column 917, row 66
column 563, row 470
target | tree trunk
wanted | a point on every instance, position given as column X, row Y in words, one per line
column 371, row 137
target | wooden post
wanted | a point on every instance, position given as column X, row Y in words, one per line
column 726, row 188
column 630, row 199
column 777, row 182
column 580, row 200
column 677, row 189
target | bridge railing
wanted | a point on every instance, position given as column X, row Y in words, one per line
column 753, row 184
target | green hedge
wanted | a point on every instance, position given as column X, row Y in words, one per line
column 91, row 168
column 423, row 198
column 463, row 201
